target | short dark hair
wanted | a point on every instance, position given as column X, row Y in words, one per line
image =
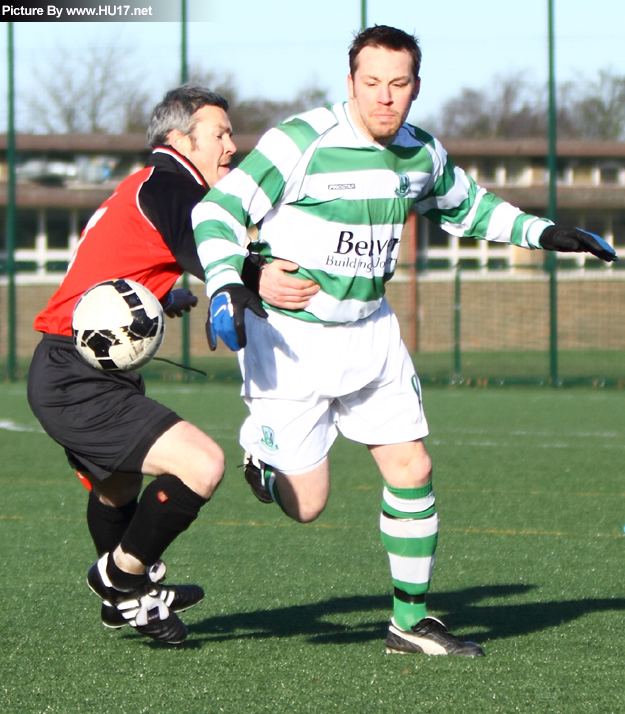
column 177, row 109
column 391, row 39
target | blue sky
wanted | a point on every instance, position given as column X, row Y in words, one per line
column 273, row 48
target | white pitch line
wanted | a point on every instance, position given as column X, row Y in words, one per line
column 9, row 425
column 504, row 444
column 525, row 432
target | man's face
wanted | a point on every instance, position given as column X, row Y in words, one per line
column 381, row 91
column 210, row 145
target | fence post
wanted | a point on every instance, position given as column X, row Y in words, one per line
column 457, row 327
column 186, row 316
column 552, row 260
column 552, row 268
column 10, row 226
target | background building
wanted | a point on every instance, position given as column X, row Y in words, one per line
column 62, row 179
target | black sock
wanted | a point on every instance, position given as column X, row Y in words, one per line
column 121, row 579
column 107, row 524
column 166, row 509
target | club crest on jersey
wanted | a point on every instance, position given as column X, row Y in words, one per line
column 404, row 185
column 269, row 438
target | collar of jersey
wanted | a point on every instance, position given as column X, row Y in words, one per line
column 342, row 110
column 182, row 161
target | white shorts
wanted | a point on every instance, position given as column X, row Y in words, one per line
column 302, row 381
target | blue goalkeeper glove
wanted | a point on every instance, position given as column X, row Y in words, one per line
column 226, row 316
column 575, row 240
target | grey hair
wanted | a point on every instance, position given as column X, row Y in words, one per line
column 177, row 109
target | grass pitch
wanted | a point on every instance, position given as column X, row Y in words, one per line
column 530, row 564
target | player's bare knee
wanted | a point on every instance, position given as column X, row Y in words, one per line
column 205, row 469
column 307, row 509
column 307, row 513
column 188, row 453
column 214, row 467
column 422, row 470
column 406, row 465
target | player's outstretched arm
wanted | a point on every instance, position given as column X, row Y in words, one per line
column 178, row 301
column 279, row 288
column 226, row 315
column 574, row 240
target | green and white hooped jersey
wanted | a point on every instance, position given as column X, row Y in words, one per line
column 335, row 203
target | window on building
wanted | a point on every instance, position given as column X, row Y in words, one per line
column 26, row 227
column 468, row 263
column 516, row 170
column 437, row 237
column 562, row 170
column 539, row 173
column 609, row 174
column 583, row 173
column 487, row 171
column 84, row 214
column 618, row 229
column 57, row 227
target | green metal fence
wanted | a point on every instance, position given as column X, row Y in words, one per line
column 462, row 327
column 529, row 325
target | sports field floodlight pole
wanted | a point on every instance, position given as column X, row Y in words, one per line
column 10, row 219
column 184, row 76
column 184, row 71
column 552, row 260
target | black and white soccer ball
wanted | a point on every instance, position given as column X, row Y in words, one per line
column 118, row 325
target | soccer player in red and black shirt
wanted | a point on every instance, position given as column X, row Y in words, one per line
column 112, row 433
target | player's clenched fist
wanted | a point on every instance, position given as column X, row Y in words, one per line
column 179, row 301
column 226, row 316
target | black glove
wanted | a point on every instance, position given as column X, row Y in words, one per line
column 226, row 316
column 178, row 301
column 575, row 240
column 250, row 274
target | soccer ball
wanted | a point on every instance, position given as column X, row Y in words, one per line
column 118, row 325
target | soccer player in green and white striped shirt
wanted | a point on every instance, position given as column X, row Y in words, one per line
column 330, row 190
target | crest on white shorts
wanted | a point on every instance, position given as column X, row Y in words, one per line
column 269, row 438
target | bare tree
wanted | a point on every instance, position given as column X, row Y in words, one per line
column 513, row 108
column 256, row 115
column 137, row 107
column 93, row 93
column 253, row 116
column 97, row 93
column 509, row 108
column 595, row 109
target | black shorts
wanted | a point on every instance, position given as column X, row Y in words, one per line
column 103, row 419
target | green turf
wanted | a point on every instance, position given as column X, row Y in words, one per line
column 594, row 367
column 591, row 367
column 532, row 504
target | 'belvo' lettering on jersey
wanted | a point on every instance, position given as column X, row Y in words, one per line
column 335, row 203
